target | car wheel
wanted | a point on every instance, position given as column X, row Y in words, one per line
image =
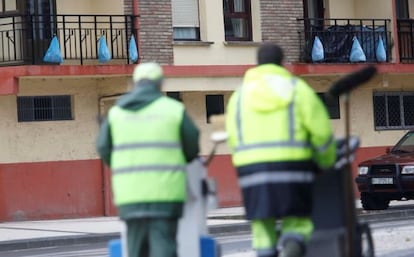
column 373, row 202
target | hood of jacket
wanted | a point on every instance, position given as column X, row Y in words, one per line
column 145, row 92
column 268, row 87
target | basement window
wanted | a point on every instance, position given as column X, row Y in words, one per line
column 174, row 95
column 393, row 110
column 44, row 108
column 332, row 105
column 214, row 105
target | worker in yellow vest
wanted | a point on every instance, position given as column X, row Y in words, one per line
column 147, row 140
column 279, row 134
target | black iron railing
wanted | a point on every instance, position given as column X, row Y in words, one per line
column 405, row 29
column 24, row 39
column 337, row 37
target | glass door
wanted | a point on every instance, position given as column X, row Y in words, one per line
column 40, row 23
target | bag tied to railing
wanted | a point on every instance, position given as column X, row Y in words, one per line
column 357, row 53
column 53, row 53
column 103, row 51
column 317, row 50
column 133, row 51
column 380, row 53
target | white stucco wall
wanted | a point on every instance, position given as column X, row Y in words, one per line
column 75, row 139
column 54, row 140
column 373, row 9
column 366, row 9
column 212, row 30
column 341, row 9
column 90, row 7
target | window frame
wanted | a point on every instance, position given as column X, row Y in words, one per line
column 214, row 99
column 196, row 38
column 28, row 109
column 247, row 15
column 4, row 11
column 402, row 9
column 332, row 105
column 176, row 95
column 192, row 24
column 386, row 94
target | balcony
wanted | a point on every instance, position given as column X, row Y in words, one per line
column 24, row 39
column 405, row 29
column 337, row 36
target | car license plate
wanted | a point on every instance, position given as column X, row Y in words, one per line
column 382, row 181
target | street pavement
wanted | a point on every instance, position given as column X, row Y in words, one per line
column 46, row 233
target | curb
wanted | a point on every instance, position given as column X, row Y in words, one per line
column 214, row 230
column 221, row 230
column 388, row 215
column 56, row 241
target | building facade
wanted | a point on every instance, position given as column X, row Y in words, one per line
column 51, row 111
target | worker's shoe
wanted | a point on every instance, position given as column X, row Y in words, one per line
column 292, row 248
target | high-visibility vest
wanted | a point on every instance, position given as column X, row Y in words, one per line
column 147, row 161
column 271, row 136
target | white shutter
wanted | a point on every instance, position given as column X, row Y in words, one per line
column 185, row 13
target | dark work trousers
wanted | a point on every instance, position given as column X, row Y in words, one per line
column 152, row 237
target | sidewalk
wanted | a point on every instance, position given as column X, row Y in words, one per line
column 45, row 233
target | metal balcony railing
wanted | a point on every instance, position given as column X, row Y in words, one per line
column 24, row 39
column 337, row 36
column 405, row 29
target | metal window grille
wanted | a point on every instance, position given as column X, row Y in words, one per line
column 214, row 105
column 44, row 108
column 332, row 105
column 393, row 110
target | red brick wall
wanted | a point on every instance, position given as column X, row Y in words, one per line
column 279, row 25
column 155, row 31
column 129, row 7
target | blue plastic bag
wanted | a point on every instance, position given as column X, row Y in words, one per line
column 380, row 53
column 53, row 53
column 103, row 52
column 317, row 50
column 133, row 51
column 357, row 53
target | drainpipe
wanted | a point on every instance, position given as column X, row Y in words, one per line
column 138, row 38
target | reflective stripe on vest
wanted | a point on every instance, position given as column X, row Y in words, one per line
column 147, row 160
column 145, row 145
column 291, row 120
column 148, row 168
column 264, row 177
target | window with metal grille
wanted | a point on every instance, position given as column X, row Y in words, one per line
column 214, row 105
column 393, row 110
column 332, row 105
column 44, row 108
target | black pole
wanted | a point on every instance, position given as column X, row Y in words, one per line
column 350, row 215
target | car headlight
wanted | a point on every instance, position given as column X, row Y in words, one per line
column 408, row 170
column 362, row 170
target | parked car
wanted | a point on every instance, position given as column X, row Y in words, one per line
column 388, row 177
